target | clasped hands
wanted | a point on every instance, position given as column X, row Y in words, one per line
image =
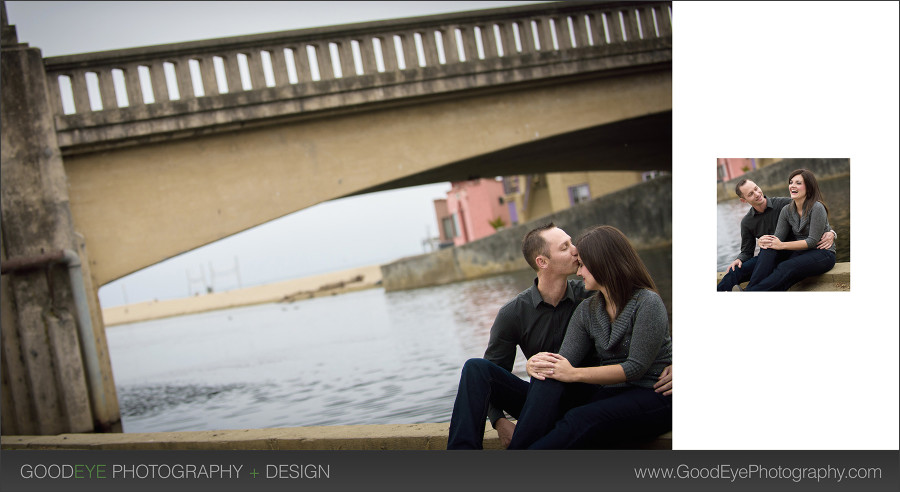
column 554, row 366
column 549, row 365
column 769, row 241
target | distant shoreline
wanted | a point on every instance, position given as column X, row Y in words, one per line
column 333, row 283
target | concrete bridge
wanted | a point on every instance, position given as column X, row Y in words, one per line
column 115, row 161
column 214, row 157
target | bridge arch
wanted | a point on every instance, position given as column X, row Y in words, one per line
column 151, row 181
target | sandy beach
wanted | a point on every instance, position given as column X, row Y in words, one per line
column 287, row 291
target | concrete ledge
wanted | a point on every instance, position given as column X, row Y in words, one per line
column 835, row 280
column 327, row 438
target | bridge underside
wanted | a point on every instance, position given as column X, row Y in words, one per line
column 139, row 205
column 638, row 144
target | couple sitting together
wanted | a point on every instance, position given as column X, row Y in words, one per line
column 601, row 373
column 795, row 239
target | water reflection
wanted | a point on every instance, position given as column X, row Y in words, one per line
column 729, row 214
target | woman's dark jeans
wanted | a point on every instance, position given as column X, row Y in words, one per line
column 769, row 275
column 583, row 416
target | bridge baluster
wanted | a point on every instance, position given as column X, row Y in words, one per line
column 208, row 76
column 508, row 38
column 545, row 37
column 55, row 93
column 581, row 34
column 614, row 27
column 526, row 36
column 232, row 72
column 80, row 92
column 663, row 20
column 629, row 19
column 648, row 26
column 133, row 85
column 388, row 52
column 410, row 54
column 563, row 36
column 158, row 81
column 107, row 89
column 448, row 41
column 489, row 41
column 323, row 60
column 429, row 48
column 279, row 67
column 184, row 78
column 345, row 57
column 469, row 45
column 255, row 67
column 367, row 55
column 301, row 63
column 598, row 32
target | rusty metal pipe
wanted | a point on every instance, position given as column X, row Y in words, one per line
column 26, row 263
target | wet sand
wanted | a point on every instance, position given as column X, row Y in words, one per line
column 287, row 291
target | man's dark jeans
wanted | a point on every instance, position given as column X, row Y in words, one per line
column 745, row 272
column 737, row 276
column 583, row 416
column 771, row 275
column 482, row 382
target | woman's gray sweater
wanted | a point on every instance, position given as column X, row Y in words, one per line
column 808, row 228
column 638, row 339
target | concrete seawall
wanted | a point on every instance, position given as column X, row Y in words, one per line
column 835, row 280
column 642, row 212
column 773, row 179
column 328, row 438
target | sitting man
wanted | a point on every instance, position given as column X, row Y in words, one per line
column 535, row 320
column 760, row 221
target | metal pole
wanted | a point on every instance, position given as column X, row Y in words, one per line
column 86, row 333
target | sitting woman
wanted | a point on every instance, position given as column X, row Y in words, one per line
column 598, row 391
column 806, row 218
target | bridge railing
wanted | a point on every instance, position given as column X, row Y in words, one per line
column 111, row 87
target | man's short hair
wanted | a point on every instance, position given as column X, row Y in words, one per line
column 737, row 187
column 533, row 244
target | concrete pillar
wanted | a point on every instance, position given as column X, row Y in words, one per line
column 45, row 386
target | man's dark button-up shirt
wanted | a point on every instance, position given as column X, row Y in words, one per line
column 756, row 224
column 532, row 324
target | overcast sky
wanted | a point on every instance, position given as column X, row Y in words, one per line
column 364, row 230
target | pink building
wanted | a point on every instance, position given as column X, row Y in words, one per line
column 470, row 209
column 729, row 169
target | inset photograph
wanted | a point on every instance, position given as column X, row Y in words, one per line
column 783, row 224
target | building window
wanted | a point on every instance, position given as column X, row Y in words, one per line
column 510, row 184
column 459, row 231
column 513, row 213
column 579, row 193
column 447, row 223
column 647, row 176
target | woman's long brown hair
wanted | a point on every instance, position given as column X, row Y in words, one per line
column 813, row 194
column 614, row 264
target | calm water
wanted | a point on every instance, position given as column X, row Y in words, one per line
column 730, row 213
column 367, row 357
